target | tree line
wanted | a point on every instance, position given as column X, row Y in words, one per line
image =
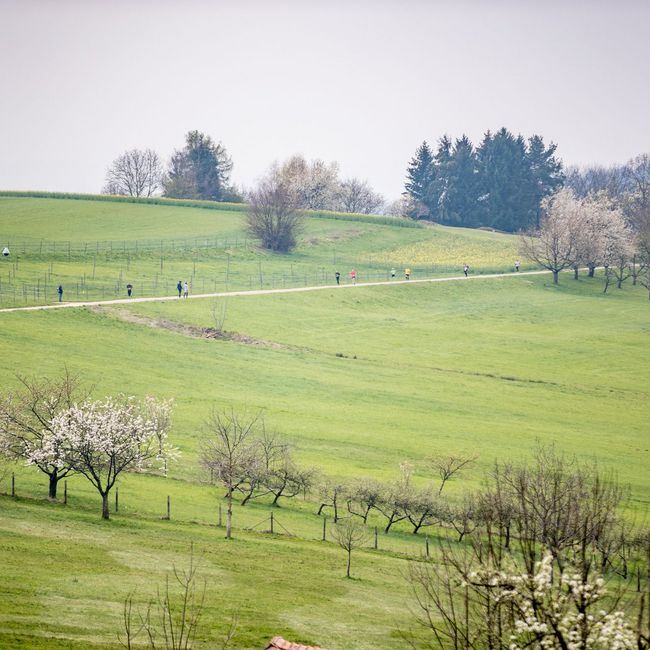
column 498, row 184
column 593, row 232
column 201, row 170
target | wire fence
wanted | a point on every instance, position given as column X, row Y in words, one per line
column 264, row 520
column 75, row 249
column 84, row 287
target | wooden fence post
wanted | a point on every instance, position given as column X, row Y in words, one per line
column 65, row 492
column 426, row 544
column 13, row 484
column 271, row 523
column 169, row 508
column 117, row 496
column 220, row 520
column 324, row 528
column 376, row 544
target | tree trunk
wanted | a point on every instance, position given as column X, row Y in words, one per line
column 54, row 480
column 347, row 575
column 592, row 269
column 575, row 272
column 105, row 505
column 229, row 514
column 555, row 277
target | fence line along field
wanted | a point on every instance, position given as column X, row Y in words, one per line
column 373, row 383
column 96, row 248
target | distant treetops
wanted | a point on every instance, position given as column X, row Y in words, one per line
column 499, row 184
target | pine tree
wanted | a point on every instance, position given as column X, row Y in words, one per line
column 458, row 204
column 435, row 198
column 200, row 170
column 418, row 178
column 505, row 182
column 546, row 172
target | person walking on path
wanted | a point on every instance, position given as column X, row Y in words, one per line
column 353, row 276
column 392, row 273
column 517, row 263
column 179, row 288
column 129, row 290
column 465, row 269
column 186, row 289
column 337, row 275
column 60, row 292
column 407, row 274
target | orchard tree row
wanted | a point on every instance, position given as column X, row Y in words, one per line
column 528, row 565
column 590, row 232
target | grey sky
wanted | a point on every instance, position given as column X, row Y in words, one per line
column 359, row 82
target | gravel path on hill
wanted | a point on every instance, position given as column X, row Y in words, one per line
column 263, row 292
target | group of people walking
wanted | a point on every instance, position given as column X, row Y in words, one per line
column 184, row 289
column 407, row 273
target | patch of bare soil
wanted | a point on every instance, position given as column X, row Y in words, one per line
column 185, row 329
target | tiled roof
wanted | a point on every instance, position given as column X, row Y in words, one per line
column 278, row 643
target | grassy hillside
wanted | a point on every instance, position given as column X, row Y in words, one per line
column 359, row 380
column 95, row 248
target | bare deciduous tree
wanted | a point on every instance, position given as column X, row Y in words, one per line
column 449, row 466
column 364, row 496
column 272, row 217
column 349, row 534
column 172, row 618
column 396, row 497
column 564, row 517
column 26, row 417
column 230, row 451
column 331, row 493
column 134, row 173
column 286, row 479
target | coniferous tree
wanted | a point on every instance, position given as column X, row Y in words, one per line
column 458, row 205
column 546, row 172
column 418, row 178
column 437, row 192
column 506, row 182
column 201, row 170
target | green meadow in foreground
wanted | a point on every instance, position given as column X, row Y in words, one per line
column 359, row 379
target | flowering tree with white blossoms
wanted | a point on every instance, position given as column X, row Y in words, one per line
column 567, row 612
column 26, row 416
column 102, row 439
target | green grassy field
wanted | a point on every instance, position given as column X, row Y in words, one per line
column 94, row 249
column 359, row 380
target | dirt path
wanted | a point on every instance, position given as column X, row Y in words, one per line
column 262, row 292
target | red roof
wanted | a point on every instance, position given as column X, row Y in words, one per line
column 278, row 643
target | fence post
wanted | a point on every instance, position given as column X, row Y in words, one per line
column 117, row 496
column 169, row 511
column 13, row 484
column 271, row 523
column 65, row 492
column 376, row 544
column 220, row 520
column 426, row 544
column 324, row 528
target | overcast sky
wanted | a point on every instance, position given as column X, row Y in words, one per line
column 359, row 82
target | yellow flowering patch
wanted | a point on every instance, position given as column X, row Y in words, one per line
column 453, row 247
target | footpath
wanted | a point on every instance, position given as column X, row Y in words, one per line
column 263, row 292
